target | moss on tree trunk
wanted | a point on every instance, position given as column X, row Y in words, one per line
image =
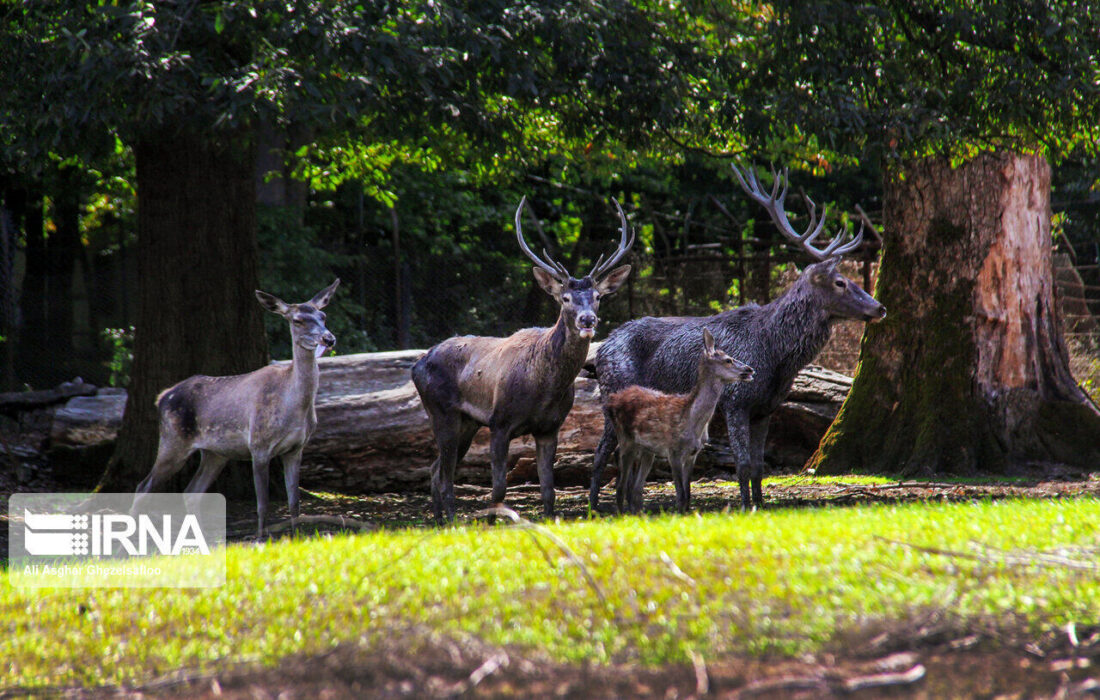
column 969, row 371
column 197, row 269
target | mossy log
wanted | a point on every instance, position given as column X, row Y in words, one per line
column 969, row 371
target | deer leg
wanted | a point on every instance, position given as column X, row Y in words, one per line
column 546, row 446
column 437, row 492
column 499, row 438
column 738, row 424
column 209, row 467
column 627, row 455
column 645, row 464
column 681, row 476
column 171, row 456
column 260, row 472
column 443, row 488
column 675, row 465
column 292, row 466
column 758, row 434
column 603, row 453
column 447, row 433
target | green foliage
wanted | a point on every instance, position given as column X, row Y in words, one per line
column 771, row 583
column 120, row 347
column 909, row 78
column 110, row 210
column 86, row 71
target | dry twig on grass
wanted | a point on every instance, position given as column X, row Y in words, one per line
column 822, row 683
column 335, row 520
column 533, row 528
column 992, row 555
column 702, row 679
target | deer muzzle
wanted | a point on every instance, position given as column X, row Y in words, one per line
column 877, row 315
column 586, row 324
column 324, row 343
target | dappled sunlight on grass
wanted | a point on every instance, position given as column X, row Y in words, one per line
column 785, row 581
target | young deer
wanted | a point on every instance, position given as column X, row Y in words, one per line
column 519, row 385
column 651, row 423
column 260, row 415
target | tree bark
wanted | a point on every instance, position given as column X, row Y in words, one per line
column 197, row 271
column 969, row 371
column 31, row 340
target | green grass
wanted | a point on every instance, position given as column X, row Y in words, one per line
column 847, row 480
column 783, row 581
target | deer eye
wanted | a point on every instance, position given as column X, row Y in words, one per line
column 840, row 284
column 568, row 299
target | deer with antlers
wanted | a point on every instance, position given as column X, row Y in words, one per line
column 519, row 385
column 777, row 340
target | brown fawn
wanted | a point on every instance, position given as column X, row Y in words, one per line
column 651, row 423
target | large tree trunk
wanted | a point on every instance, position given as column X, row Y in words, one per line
column 31, row 341
column 969, row 372
column 196, row 256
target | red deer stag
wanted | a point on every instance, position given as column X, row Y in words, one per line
column 519, row 385
column 777, row 339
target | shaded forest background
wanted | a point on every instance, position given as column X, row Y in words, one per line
column 431, row 254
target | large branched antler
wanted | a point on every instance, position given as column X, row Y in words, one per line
column 773, row 203
column 555, row 268
column 626, row 240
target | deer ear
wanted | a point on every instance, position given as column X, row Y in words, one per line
column 272, row 303
column 548, row 282
column 614, row 279
column 822, row 272
column 708, row 341
column 323, row 297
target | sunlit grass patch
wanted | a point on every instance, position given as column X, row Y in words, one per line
column 781, row 581
column 814, row 480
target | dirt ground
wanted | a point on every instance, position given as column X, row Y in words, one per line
column 420, row 665
column 915, row 660
column 414, row 509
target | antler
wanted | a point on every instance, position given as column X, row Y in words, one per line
column 553, row 267
column 773, row 203
column 626, row 240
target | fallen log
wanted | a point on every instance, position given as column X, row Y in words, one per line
column 373, row 434
column 15, row 402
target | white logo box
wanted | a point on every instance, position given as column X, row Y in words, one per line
column 93, row 540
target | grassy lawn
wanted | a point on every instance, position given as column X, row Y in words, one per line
column 650, row 590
